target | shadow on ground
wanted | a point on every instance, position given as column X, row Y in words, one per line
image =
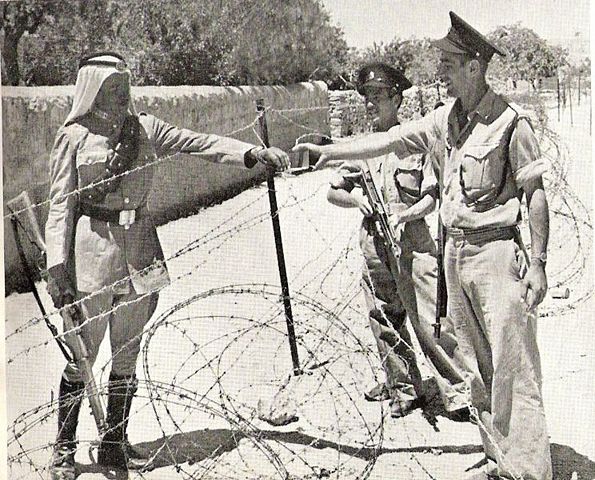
column 193, row 447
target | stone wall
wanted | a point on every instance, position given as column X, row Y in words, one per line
column 347, row 113
column 183, row 184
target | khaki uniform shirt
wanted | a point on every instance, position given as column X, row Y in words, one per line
column 101, row 253
column 399, row 181
column 481, row 161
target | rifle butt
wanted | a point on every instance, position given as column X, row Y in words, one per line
column 71, row 316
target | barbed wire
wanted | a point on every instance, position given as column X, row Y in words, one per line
column 157, row 161
column 330, row 330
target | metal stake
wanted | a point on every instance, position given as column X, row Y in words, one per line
column 278, row 242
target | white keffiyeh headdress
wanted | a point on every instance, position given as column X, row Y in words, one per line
column 93, row 71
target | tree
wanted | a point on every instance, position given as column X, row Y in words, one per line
column 282, row 41
column 528, row 56
column 416, row 57
column 70, row 30
column 171, row 43
column 18, row 18
column 192, row 42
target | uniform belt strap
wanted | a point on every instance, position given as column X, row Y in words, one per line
column 107, row 215
column 486, row 233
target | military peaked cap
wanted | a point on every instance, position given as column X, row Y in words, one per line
column 464, row 39
column 381, row 75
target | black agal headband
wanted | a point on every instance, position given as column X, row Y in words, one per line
column 95, row 59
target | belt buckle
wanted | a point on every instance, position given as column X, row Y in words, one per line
column 127, row 218
column 456, row 232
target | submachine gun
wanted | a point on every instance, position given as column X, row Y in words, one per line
column 22, row 216
column 380, row 214
column 391, row 238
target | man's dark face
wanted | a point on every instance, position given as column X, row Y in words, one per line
column 114, row 95
column 453, row 70
column 382, row 106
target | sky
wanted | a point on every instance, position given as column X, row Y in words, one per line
column 367, row 21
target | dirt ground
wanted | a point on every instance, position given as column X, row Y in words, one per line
column 217, row 345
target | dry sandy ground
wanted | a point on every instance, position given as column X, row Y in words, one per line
column 217, row 345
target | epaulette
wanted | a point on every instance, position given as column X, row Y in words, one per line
column 522, row 113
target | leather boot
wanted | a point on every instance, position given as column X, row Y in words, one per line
column 115, row 449
column 62, row 465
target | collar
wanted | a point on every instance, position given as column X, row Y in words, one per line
column 485, row 106
column 483, row 109
column 482, row 112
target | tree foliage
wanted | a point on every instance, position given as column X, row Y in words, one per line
column 416, row 57
column 192, row 42
column 528, row 56
column 69, row 30
column 226, row 42
column 18, row 18
column 283, row 41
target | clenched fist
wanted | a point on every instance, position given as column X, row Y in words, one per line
column 271, row 157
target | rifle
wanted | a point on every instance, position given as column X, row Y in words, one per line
column 441, row 293
column 22, row 215
column 381, row 214
column 73, row 319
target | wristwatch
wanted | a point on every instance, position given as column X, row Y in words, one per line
column 542, row 258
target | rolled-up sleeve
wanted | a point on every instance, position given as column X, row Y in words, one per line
column 429, row 184
column 170, row 140
column 525, row 156
column 63, row 182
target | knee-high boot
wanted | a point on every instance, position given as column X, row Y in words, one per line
column 115, row 449
column 69, row 405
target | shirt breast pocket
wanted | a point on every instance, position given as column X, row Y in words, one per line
column 482, row 169
column 90, row 166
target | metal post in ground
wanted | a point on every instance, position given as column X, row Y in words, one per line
column 278, row 242
column 570, row 100
column 558, row 89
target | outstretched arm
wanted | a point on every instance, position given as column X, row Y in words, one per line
column 170, row 140
column 413, row 137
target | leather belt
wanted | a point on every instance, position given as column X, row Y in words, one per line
column 113, row 216
column 483, row 233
